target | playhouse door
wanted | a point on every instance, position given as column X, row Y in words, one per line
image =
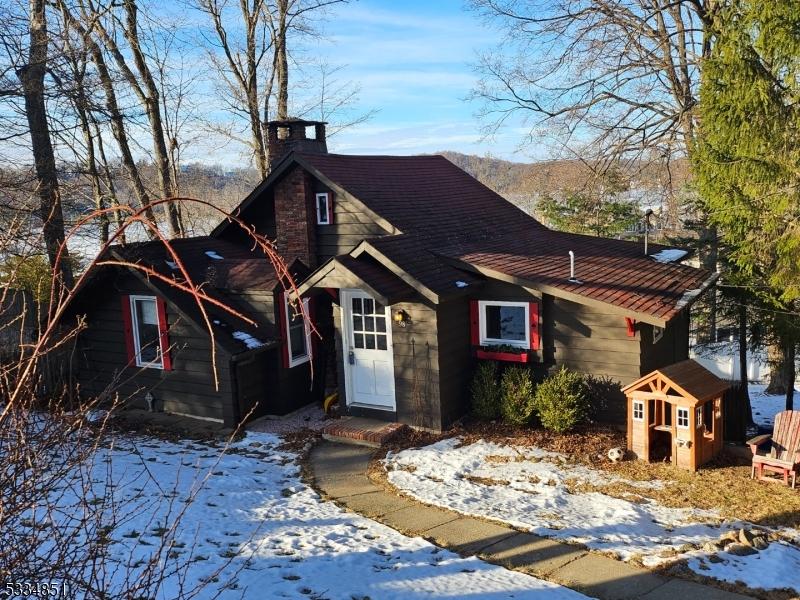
column 367, row 345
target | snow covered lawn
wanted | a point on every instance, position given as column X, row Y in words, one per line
column 541, row 492
column 255, row 530
column 766, row 406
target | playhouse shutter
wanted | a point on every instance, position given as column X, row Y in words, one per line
column 474, row 323
column 127, row 328
column 163, row 333
column 330, row 208
column 283, row 329
column 533, row 307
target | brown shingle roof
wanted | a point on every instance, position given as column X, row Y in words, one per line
column 446, row 212
column 237, row 262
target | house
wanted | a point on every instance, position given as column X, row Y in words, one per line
column 415, row 271
column 149, row 341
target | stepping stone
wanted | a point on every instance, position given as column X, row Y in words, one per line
column 531, row 553
column 417, row 519
column 375, row 504
column 603, row 577
column 466, row 535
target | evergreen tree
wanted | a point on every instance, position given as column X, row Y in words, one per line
column 747, row 159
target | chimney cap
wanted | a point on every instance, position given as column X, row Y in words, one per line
column 295, row 121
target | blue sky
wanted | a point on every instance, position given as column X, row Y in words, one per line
column 414, row 61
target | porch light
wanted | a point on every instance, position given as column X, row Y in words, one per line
column 401, row 318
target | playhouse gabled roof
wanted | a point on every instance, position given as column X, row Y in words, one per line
column 687, row 378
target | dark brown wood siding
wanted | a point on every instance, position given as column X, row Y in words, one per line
column 188, row 388
column 455, row 358
column 673, row 346
column 594, row 341
column 350, row 226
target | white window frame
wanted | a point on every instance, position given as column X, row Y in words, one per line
column 680, row 410
column 304, row 358
column 137, row 347
column 699, row 416
column 487, row 341
column 638, row 404
column 327, row 214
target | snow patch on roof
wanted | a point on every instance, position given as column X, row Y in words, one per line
column 214, row 255
column 669, row 255
column 247, row 339
column 688, row 297
column 172, row 264
column 461, row 284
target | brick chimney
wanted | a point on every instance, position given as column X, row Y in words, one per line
column 295, row 222
column 291, row 134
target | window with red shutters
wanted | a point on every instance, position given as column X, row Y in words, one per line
column 146, row 331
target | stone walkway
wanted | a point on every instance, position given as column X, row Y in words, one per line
column 339, row 472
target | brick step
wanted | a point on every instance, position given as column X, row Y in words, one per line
column 361, row 431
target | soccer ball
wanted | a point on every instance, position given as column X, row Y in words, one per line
column 616, row 454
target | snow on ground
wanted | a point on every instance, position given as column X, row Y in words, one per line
column 527, row 488
column 279, row 538
column 766, row 406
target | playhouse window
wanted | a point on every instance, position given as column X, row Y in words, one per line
column 324, row 209
column 298, row 334
column 146, row 333
column 638, row 410
column 683, row 418
column 504, row 323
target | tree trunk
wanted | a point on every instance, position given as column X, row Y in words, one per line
column 31, row 77
column 281, row 61
column 777, row 369
column 789, row 377
column 109, row 183
column 117, row 121
column 153, row 110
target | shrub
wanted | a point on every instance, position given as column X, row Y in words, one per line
column 562, row 401
column 485, row 393
column 516, row 396
column 600, row 390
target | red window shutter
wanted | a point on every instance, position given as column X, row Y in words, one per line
column 533, row 308
column 163, row 332
column 127, row 328
column 281, row 299
column 630, row 324
column 312, row 349
column 330, row 208
column 474, row 323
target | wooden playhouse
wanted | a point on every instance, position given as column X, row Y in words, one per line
column 675, row 415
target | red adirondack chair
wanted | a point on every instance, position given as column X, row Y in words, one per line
column 783, row 455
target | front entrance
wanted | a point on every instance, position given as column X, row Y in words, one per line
column 367, row 351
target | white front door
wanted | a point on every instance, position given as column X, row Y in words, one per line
column 367, row 342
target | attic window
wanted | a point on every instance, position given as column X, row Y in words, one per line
column 324, row 208
column 658, row 333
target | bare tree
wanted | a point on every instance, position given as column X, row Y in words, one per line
column 31, row 76
column 112, row 111
column 620, row 75
column 255, row 66
column 106, row 22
